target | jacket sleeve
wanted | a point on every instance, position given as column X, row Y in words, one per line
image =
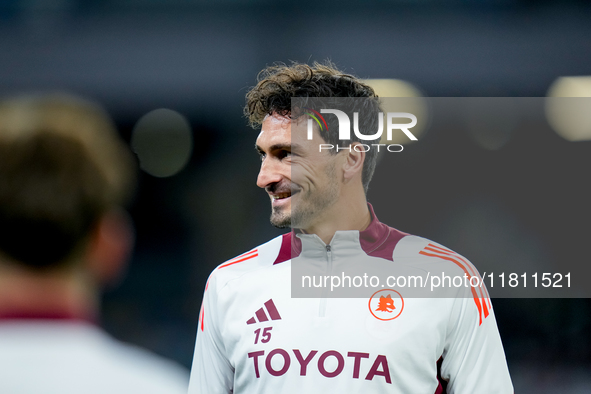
column 211, row 372
column 473, row 358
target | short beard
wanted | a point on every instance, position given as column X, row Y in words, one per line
column 279, row 219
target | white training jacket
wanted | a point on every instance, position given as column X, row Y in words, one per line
column 66, row 356
column 254, row 337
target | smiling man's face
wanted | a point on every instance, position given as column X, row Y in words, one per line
column 301, row 181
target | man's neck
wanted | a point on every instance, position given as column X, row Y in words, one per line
column 29, row 293
column 342, row 216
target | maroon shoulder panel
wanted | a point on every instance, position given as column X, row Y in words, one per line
column 378, row 239
column 291, row 247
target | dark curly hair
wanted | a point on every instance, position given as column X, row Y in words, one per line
column 279, row 83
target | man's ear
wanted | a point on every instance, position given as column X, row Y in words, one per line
column 110, row 247
column 353, row 163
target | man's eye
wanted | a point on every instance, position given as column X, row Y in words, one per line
column 285, row 153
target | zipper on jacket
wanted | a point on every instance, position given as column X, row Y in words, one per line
column 323, row 299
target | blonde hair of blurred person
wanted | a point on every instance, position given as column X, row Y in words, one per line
column 64, row 177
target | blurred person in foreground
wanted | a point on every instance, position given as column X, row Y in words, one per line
column 255, row 337
column 64, row 177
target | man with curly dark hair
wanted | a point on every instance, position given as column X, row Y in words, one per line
column 263, row 330
column 279, row 84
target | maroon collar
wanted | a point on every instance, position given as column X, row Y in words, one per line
column 44, row 315
column 377, row 240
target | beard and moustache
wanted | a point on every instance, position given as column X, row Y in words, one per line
column 310, row 204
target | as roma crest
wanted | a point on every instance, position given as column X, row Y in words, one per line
column 386, row 304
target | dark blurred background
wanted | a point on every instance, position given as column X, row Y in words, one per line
column 524, row 199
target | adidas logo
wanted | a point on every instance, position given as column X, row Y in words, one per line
column 261, row 316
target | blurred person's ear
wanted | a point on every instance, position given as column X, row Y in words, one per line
column 110, row 247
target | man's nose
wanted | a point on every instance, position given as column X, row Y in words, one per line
column 269, row 173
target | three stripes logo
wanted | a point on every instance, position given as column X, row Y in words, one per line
column 479, row 293
column 269, row 310
column 239, row 259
